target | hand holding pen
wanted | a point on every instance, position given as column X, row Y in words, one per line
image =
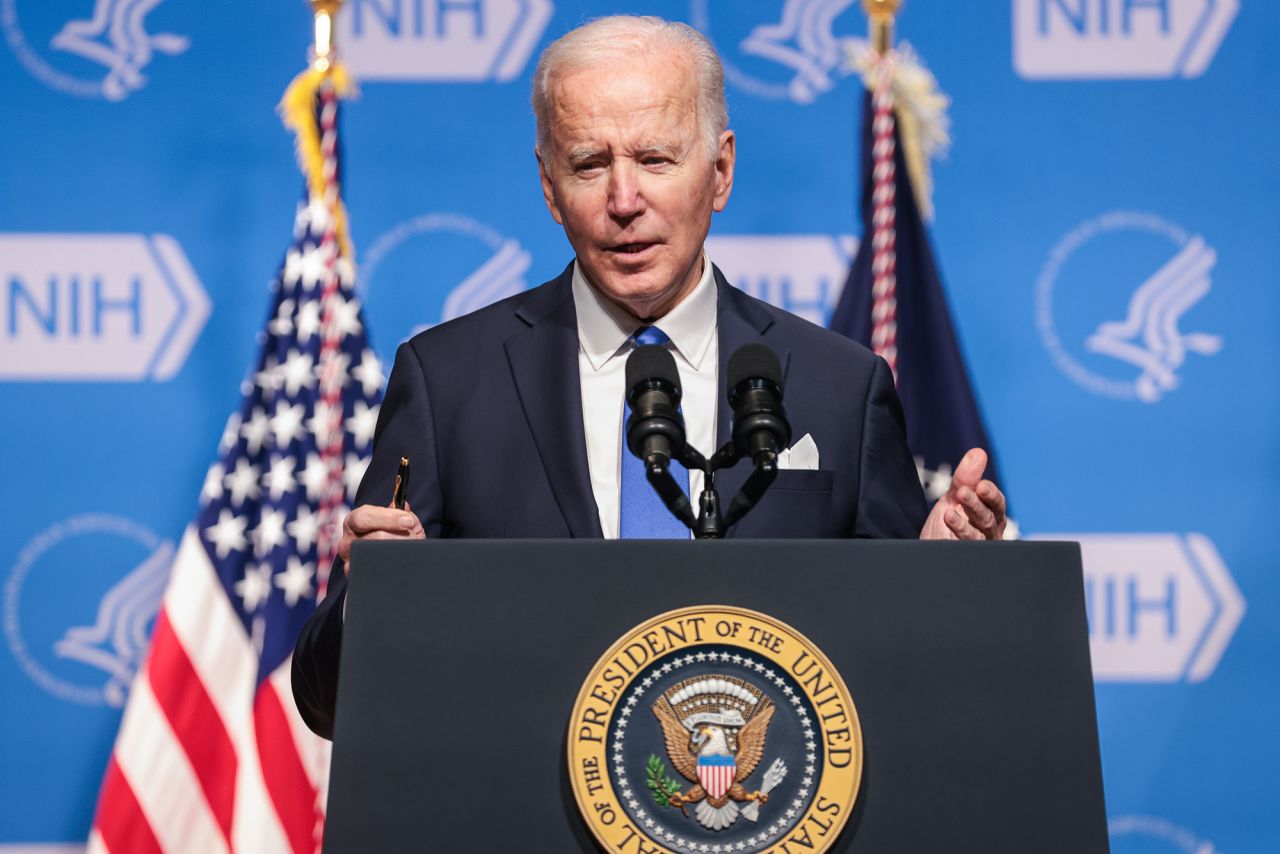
column 394, row 522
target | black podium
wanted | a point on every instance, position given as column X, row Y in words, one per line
column 968, row 664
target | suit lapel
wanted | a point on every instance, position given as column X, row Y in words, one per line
column 740, row 320
column 544, row 364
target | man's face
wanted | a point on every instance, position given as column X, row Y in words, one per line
column 627, row 174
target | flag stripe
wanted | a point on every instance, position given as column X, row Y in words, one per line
column 286, row 780
column 122, row 828
column 198, row 610
column 162, row 778
column 259, row 828
column 312, row 752
column 181, row 695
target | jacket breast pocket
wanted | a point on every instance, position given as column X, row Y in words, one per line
column 806, row 480
column 798, row 504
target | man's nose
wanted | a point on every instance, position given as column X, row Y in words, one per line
column 625, row 196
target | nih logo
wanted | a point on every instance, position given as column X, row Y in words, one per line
column 444, row 40
column 1162, row 607
column 1117, row 39
column 96, row 307
column 800, row 273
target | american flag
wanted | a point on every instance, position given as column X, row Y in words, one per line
column 212, row 755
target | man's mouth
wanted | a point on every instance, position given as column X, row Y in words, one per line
column 630, row 248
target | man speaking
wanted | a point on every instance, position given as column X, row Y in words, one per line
column 513, row 415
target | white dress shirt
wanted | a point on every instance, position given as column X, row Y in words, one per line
column 604, row 332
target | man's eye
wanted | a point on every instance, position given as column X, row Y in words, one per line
column 587, row 168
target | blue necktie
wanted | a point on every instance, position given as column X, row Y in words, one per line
column 643, row 515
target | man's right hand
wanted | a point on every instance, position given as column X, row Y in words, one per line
column 369, row 522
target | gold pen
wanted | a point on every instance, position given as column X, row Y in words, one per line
column 402, row 484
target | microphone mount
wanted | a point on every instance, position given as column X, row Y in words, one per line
column 655, row 433
column 711, row 522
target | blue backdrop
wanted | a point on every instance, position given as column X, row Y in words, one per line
column 1107, row 223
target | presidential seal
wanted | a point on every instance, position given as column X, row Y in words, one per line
column 711, row 730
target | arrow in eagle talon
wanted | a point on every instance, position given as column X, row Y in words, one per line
column 772, row 778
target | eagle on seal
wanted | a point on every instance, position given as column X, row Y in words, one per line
column 716, row 752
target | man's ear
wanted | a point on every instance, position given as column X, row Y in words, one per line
column 548, row 192
column 724, row 169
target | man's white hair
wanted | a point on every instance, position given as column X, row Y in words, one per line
column 621, row 37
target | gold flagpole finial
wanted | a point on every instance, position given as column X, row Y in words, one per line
column 882, row 13
column 322, row 52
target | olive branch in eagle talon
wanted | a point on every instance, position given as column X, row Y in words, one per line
column 685, row 745
column 663, row 787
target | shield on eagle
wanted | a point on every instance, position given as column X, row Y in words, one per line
column 716, row 773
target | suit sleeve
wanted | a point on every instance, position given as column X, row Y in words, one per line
column 405, row 428
column 890, row 500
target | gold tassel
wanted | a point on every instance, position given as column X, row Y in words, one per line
column 298, row 111
column 920, row 109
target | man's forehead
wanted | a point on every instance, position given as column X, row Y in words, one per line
column 619, row 86
column 639, row 106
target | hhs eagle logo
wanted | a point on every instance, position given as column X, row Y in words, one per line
column 1140, row 357
column 79, row 603
column 115, row 37
column 805, row 39
column 715, row 729
column 117, row 640
column 484, row 266
column 1149, row 338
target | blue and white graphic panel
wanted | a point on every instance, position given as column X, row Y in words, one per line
column 1106, row 225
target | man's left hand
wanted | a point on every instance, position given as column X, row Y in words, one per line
column 972, row 509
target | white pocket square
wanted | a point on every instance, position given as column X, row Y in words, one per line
column 801, row 455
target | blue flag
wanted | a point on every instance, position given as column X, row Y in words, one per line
column 943, row 420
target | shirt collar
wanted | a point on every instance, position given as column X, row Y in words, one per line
column 604, row 327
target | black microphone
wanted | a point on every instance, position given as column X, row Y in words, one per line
column 760, row 427
column 655, row 430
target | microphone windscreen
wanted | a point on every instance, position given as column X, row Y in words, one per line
column 651, row 362
column 752, row 361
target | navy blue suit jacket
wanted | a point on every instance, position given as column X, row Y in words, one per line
column 489, row 410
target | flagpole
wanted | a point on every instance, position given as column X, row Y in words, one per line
column 322, row 51
column 324, row 78
column 882, row 14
